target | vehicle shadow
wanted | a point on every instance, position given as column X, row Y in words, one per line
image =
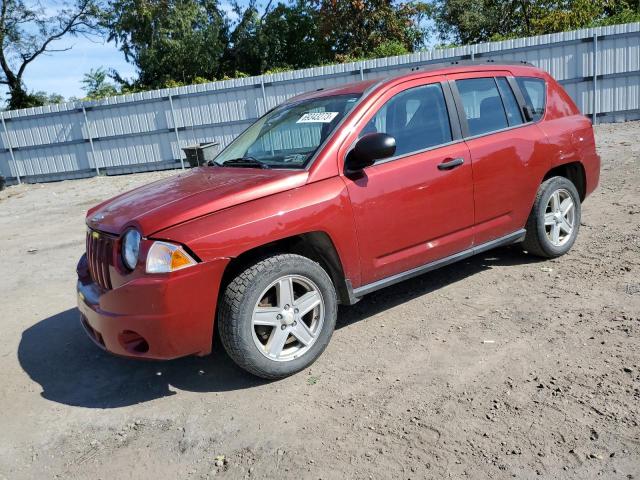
column 394, row 295
column 56, row 353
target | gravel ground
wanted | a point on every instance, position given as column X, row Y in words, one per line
column 498, row 367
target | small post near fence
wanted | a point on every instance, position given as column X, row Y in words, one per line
column 175, row 129
column 13, row 158
column 595, row 79
column 264, row 95
column 90, row 137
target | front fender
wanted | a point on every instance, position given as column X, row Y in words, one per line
column 322, row 206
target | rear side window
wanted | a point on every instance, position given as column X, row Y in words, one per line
column 534, row 92
column 417, row 118
column 482, row 105
column 510, row 103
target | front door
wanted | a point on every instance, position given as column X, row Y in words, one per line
column 417, row 206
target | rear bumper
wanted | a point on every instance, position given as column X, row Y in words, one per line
column 157, row 316
column 592, row 170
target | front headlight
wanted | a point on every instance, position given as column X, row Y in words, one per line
column 131, row 248
column 166, row 257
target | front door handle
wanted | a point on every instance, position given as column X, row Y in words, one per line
column 451, row 163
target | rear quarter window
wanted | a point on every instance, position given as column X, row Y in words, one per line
column 535, row 93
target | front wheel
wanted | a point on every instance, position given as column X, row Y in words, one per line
column 554, row 220
column 278, row 315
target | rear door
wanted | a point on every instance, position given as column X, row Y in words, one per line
column 507, row 151
column 408, row 209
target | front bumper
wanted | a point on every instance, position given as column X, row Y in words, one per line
column 156, row 316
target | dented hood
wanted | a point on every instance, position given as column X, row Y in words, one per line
column 189, row 195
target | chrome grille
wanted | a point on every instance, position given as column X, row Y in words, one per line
column 99, row 257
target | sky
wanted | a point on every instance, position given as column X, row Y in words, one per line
column 62, row 72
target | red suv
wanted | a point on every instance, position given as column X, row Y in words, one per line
column 328, row 197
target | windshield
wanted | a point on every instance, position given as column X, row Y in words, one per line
column 288, row 136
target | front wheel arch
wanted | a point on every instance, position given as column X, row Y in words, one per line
column 317, row 246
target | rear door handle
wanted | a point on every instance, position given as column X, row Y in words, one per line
column 451, row 163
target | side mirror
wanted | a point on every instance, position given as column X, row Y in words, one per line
column 371, row 147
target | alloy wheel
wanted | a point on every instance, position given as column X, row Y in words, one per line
column 288, row 318
column 559, row 217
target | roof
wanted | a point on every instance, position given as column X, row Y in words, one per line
column 434, row 68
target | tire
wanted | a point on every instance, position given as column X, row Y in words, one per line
column 544, row 220
column 253, row 318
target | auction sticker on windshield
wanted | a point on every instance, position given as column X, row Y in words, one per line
column 318, row 117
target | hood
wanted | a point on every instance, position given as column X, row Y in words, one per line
column 188, row 195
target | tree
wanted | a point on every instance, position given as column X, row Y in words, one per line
column 473, row 21
column 291, row 37
column 283, row 37
column 314, row 32
column 557, row 16
column 28, row 31
column 44, row 98
column 355, row 28
column 96, row 86
column 169, row 40
column 245, row 50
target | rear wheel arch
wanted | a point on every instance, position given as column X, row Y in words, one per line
column 574, row 172
column 317, row 246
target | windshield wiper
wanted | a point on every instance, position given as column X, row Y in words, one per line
column 246, row 162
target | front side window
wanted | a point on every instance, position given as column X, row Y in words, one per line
column 417, row 118
column 288, row 136
column 482, row 105
column 534, row 92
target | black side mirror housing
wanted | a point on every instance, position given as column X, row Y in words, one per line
column 368, row 149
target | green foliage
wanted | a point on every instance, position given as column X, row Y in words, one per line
column 354, row 28
column 472, row 21
column 40, row 98
column 169, row 40
column 389, row 48
column 96, row 86
column 291, row 38
column 177, row 42
column 273, row 70
column 627, row 14
column 44, row 98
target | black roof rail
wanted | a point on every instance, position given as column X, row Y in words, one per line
column 485, row 61
column 470, row 63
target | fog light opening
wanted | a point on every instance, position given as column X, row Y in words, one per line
column 133, row 342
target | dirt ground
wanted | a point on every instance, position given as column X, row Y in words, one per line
column 498, row 367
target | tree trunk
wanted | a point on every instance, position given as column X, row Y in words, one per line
column 19, row 97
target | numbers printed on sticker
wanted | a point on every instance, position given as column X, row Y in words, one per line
column 318, row 117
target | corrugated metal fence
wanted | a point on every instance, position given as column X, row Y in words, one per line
column 600, row 69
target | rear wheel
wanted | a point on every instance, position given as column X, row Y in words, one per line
column 278, row 315
column 554, row 220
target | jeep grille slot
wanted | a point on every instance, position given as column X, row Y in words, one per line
column 99, row 257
